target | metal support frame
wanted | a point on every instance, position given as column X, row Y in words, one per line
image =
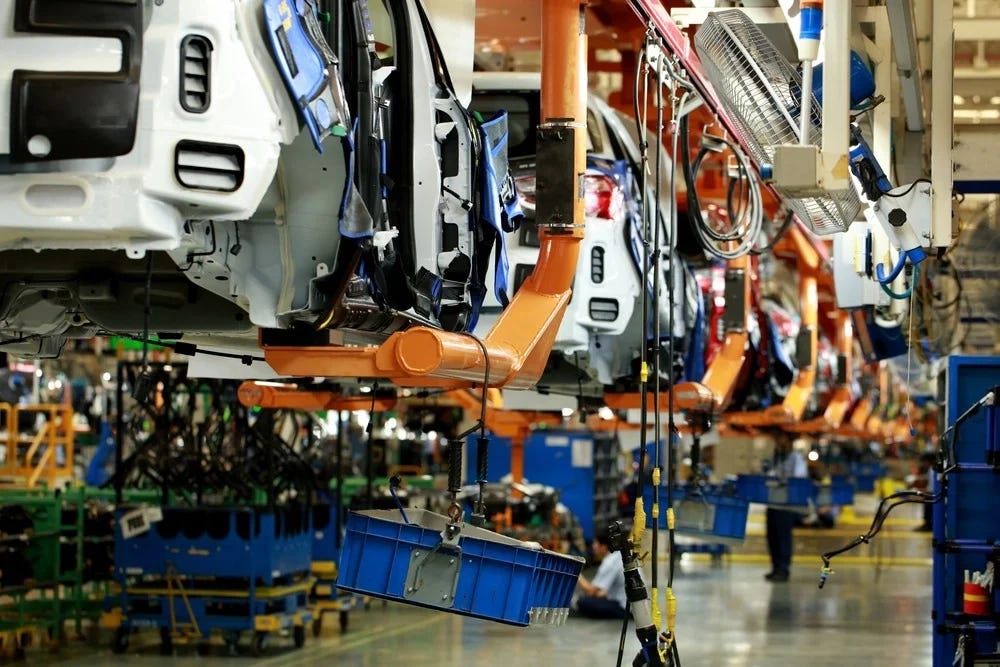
column 904, row 42
column 942, row 120
column 836, row 174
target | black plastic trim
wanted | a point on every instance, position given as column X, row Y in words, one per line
column 82, row 114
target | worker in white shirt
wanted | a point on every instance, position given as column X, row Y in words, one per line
column 788, row 463
column 604, row 595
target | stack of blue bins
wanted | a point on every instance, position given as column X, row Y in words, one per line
column 796, row 492
column 865, row 474
column 262, row 546
column 238, row 569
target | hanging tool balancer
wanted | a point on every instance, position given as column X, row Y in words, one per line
column 639, row 603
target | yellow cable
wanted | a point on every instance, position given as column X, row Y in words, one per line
column 657, row 613
column 671, row 611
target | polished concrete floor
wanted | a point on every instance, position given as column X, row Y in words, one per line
column 728, row 616
column 875, row 609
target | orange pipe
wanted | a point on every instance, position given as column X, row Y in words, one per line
column 688, row 397
column 290, row 397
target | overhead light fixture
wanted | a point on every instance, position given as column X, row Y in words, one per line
column 995, row 99
column 606, row 413
column 977, row 115
column 958, row 100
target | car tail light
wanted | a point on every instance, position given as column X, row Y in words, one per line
column 526, row 190
column 602, row 197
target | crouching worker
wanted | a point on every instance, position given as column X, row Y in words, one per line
column 604, row 595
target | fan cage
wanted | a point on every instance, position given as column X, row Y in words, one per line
column 761, row 91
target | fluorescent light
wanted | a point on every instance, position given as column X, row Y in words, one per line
column 606, row 413
column 958, row 100
column 567, row 412
column 365, row 390
column 977, row 115
column 995, row 99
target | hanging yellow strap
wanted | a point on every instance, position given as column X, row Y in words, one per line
column 639, row 523
column 654, row 594
column 644, row 373
column 671, row 611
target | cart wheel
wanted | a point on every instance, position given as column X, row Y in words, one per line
column 204, row 648
column 166, row 642
column 299, row 636
column 119, row 644
column 258, row 645
column 344, row 620
column 318, row 625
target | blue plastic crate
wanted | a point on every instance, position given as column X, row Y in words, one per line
column 837, row 492
column 793, row 492
column 865, row 483
column 710, row 512
column 492, row 577
column 245, row 542
column 325, row 525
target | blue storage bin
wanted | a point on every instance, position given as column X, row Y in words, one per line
column 492, row 577
column 244, row 542
column 837, row 492
column 793, row 492
column 325, row 525
column 865, row 483
column 711, row 512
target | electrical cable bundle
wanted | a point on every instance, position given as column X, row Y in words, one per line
column 878, row 521
column 744, row 204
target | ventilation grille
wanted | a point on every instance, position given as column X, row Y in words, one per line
column 196, row 74
column 203, row 166
column 597, row 265
column 604, row 310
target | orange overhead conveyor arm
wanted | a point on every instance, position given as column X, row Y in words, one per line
column 723, row 374
column 291, row 397
column 715, row 391
column 519, row 344
column 790, row 411
column 840, row 402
